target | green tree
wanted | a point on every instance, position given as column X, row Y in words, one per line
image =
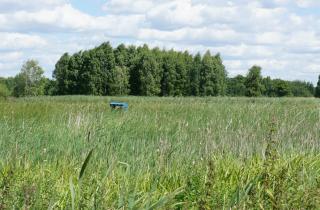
column 107, row 62
column 149, row 74
column 99, row 71
column 302, row 89
column 253, row 82
column 180, row 83
column 30, row 81
column 282, row 88
column 268, row 88
column 208, row 77
column 118, row 81
column 9, row 83
column 62, row 75
column 236, row 86
column 4, row 91
column 134, row 55
column 213, row 76
column 73, row 74
column 168, row 74
column 194, row 75
column 221, row 75
column 121, row 56
column 50, row 88
column 89, row 80
column 317, row 91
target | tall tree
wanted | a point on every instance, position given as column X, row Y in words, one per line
column 208, row 76
column 60, row 73
column 194, row 75
column 92, row 75
column 134, row 56
column 268, row 88
column 118, row 81
column 149, row 76
column 221, row 75
column 30, row 81
column 317, row 92
column 168, row 74
column 107, row 64
column 253, row 82
column 180, row 87
column 121, row 56
column 73, row 74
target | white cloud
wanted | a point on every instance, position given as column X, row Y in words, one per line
column 13, row 41
column 308, row 3
column 281, row 35
column 127, row 6
column 8, row 6
column 65, row 18
column 11, row 56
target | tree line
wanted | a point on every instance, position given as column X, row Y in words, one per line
column 142, row 71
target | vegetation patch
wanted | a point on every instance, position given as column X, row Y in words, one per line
column 164, row 153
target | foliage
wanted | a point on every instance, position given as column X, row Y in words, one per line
column 317, row 91
column 50, row 88
column 62, row 75
column 148, row 70
column 212, row 76
column 118, row 81
column 139, row 71
column 4, row 91
column 9, row 83
column 30, row 81
column 253, row 82
column 236, row 86
column 209, row 153
column 194, row 77
column 301, row 89
column 281, row 88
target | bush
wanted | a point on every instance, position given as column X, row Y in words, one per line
column 4, row 91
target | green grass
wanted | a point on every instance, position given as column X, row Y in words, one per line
column 164, row 153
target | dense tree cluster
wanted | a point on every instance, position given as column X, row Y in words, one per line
column 254, row 85
column 29, row 82
column 130, row 70
column 140, row 71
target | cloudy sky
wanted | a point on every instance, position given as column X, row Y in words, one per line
column 282, row 36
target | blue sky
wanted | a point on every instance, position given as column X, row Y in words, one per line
column 282, row 36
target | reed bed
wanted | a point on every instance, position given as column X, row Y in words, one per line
column 74, row 152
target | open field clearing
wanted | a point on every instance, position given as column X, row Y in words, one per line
column 163, row 153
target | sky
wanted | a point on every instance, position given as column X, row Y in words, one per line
column 281, row 36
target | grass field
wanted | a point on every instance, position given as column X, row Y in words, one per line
column 164, row 153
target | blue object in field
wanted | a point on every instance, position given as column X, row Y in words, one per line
column 119, row 105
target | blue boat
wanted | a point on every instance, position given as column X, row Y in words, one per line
column 119, row 105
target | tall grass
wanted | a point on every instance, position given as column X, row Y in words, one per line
column 164, row 153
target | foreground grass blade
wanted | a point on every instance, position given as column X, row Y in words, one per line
column 73, row 195
column 85, row 163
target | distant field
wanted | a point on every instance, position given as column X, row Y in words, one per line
column 164, row 153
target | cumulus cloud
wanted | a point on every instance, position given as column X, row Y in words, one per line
column 14, row 41
column 8, row 6
column 65, row 18
column 280, row 35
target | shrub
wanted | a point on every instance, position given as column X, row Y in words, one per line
column 4, row 91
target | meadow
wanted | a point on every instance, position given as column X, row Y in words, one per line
column 74, row 152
